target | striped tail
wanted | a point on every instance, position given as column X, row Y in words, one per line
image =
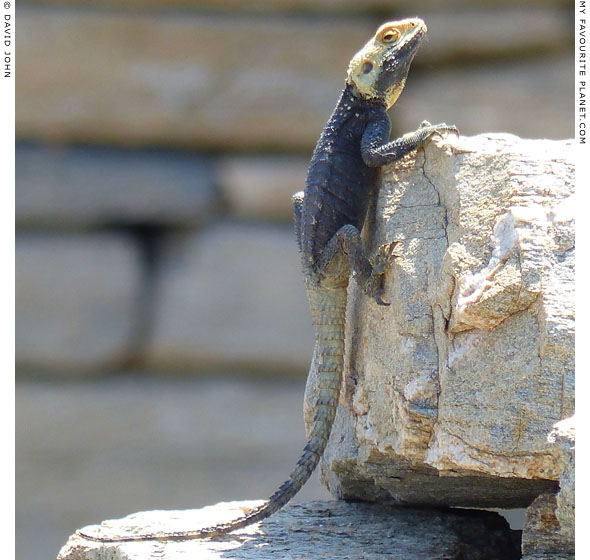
column 328, row 308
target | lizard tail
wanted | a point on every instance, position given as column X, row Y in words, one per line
column 328, row 313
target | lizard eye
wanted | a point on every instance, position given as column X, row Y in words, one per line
column 367, row 67
column 390, row 36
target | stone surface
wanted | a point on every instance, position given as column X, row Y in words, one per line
column 313, row 530
column 78, row 298
column 563, row 435
column 541, row 536
column 529, row 97
column 90, row 187
column 162, row 79
column 450, row 393
column 232, row 296
column 549, row 531
column 262, row 187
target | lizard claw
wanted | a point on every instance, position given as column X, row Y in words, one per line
column 443, row 127
column 385, row 256
column 379, row 298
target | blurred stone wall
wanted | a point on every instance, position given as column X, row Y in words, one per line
column 159, row 143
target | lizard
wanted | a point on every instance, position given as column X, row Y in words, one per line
column 329, row 215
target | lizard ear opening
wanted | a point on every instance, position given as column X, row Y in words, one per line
column 367, row 67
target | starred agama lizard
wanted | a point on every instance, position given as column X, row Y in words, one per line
column 329, row 216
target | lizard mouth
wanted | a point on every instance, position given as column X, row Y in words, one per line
column 403, row 52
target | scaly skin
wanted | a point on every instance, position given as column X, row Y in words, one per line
column 329, row 216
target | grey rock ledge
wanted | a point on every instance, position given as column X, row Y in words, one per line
column 314, row 530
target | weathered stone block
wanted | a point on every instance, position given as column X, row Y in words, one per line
column 214, row 82
column 509, row 32
column 507, row 98
column 232, row 296
column 451, row 392
column 77, row 301
column 262, row 187
column 563, row 436
column 170, row 79
column 541, row 538
column 84, row 187
column 549, row 532
column 323, row 530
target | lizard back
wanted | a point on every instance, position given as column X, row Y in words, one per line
column 338, row 181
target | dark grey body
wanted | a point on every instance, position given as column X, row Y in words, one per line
column 339, row 181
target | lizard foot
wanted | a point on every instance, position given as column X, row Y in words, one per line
column 381, row 261
column 439, row 129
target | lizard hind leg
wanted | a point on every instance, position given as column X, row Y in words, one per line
column 345, row 253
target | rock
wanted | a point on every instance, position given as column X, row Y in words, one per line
column 158, row 79
column 450, row 392
column 549, row 532
column 563, row 435
column 541, row 536
column 312, row 530
column 78, row 298
column 262, row 187
column 232, row 296
column 90, row 187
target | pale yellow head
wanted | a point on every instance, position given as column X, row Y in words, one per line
column 379, row 69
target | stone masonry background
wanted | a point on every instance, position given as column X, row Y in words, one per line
column 163, row 336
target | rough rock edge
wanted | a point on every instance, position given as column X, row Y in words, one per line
column 549, row 532
column 314, row 530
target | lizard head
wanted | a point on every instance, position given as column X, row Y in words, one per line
column 379, row 70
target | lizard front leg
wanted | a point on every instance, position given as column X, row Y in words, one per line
column 378, row 151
